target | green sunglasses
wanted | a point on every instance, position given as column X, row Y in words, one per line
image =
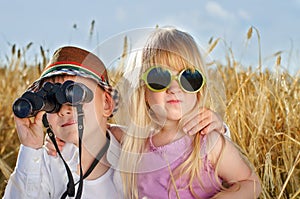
column 159, row 79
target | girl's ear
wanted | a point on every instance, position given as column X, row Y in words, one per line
column 108, row 105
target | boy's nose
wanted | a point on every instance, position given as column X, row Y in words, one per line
column 65, row 110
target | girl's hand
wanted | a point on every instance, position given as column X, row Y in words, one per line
column 31, row 130
column 50, row 146
column 205, row 121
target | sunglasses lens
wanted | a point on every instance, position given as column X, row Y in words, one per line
column 158, row 79
column 191, row 81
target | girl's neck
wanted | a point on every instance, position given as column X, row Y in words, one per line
column 168, row 134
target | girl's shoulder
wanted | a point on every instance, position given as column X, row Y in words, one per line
column 212, row 146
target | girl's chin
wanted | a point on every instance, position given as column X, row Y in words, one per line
column 169, row 117
column 174, row 116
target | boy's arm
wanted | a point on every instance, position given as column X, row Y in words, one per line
column 206, row 121
column 27, row 179
column 31, row 131
column 31, row 176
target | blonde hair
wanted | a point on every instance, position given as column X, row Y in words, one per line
column 168, row 47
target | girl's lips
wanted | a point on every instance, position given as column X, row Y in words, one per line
column 173, row 101
column 68, row 123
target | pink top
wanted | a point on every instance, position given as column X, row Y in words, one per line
column 154, row 180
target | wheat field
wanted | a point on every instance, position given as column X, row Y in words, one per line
column 262, row 112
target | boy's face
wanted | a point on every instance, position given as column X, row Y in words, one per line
column 64, row 123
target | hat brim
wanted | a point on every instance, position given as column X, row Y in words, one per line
column 67, row 71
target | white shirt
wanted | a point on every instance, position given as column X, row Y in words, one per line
column 38, row 175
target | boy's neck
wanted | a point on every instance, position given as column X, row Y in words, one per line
column 99, row 170
column 87, row 158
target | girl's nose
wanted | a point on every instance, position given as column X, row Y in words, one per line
column 65, row 110
column 174, row 87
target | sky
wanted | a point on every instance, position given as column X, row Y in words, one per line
column 52, row 24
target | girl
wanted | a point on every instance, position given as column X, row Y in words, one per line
column 165, row 87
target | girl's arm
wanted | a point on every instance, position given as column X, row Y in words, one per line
column 234, row 169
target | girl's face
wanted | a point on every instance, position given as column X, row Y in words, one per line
column 171, row 104
column 64, row 123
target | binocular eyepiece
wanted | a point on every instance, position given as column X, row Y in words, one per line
column 51, row 97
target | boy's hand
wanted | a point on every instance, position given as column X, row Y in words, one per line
column 31, row 131
column 204, row 122
column 50, row 146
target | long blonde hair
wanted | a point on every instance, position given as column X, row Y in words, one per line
column 166, row 47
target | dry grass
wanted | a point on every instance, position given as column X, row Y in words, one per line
column 263, row 113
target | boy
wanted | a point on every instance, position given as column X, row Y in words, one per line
column 38, row 175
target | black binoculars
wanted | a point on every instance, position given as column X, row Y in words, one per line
column 51, row 97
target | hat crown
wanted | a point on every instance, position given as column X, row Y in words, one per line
column 78, row 56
